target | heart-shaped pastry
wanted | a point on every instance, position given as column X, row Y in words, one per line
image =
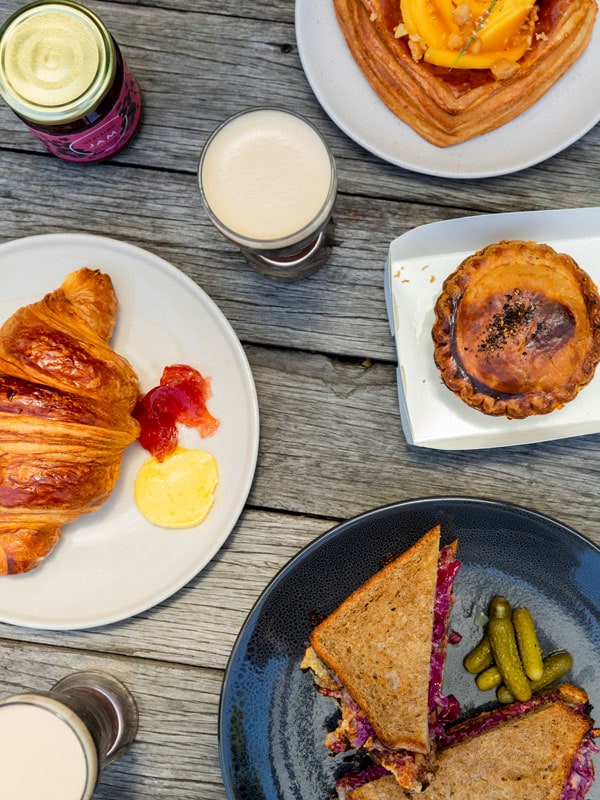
column 453, row 69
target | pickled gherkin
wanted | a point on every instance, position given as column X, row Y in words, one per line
column 503, row 695
column 489, row 678
column 480, row 657
column 527, row 641
column 500, row 607
column 555, row 666
column 503, row 640
column 509, row 658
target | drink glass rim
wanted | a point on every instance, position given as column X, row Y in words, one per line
column 44, row 701
column 282, row 242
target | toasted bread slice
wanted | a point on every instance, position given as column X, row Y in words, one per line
column 378, row 643
column 528, row 757
column 451, row 105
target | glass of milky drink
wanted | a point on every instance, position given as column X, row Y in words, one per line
column 268, row 182
column 54, row 745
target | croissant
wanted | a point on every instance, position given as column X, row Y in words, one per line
column 66, row 400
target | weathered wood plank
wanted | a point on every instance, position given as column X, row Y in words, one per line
column 175, row 754
column 199, row 625
column 332, row 447
column 213, row 66
column 335, row 427
column 340, row 309
column 282, row 11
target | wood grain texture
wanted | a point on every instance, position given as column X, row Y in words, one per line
column 320, row 350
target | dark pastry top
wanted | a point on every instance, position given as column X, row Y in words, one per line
column 517, row 329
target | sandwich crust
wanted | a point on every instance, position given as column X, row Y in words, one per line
column 378, row 644
column 517, row 329
column 526, row 758
column 448, row 105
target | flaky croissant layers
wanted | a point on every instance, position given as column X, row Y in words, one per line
column 66, row 400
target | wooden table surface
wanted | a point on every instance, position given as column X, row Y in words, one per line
column 320, row 351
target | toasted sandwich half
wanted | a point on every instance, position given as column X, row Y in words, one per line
column 538, row 750
column 381, row 655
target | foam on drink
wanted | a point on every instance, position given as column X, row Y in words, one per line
column 267, row 176
column 46, row 752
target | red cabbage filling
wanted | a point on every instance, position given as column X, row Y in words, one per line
column 355, row 731
column 443, row 709
column 582, row 773
column 353, row 780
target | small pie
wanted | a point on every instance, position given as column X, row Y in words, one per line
column 517, row 329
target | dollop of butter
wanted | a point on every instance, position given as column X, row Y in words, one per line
column 177, row 492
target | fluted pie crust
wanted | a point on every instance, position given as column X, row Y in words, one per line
column 517, row 329
column 447, row 106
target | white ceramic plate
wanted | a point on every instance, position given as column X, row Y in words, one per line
column 419, row 261
column 113, row 564
column 563, row 115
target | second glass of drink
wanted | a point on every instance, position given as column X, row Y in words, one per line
column 268, row 182
column 54, row 745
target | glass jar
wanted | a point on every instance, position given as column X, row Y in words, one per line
column 64, row 76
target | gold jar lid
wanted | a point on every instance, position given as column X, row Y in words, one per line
column 57, row 61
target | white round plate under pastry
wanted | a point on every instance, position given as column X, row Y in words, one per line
column 113, row 563
column 561, row 117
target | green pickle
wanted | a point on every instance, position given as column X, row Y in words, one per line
column 503, row 640
column 555, row 666
column 500, row 607
column 503, row 695
column 527, row 641
column 479, row 658
column 489, row 678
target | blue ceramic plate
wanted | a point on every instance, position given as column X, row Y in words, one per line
column 272, row 722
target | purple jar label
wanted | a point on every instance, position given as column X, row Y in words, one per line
column 105, row 137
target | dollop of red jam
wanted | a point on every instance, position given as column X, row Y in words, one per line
column 180, row 397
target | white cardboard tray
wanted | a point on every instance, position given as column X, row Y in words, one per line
column 417, row 265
